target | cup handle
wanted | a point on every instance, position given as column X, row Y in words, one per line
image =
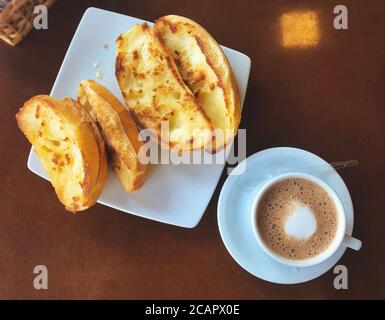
column 352, row 243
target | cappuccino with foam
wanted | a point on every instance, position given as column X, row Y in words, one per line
column 297, row 219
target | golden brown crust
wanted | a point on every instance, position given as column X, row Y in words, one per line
column 119, row 131
column 205, row 69
column 155, row 92
column 174, row 69
column 98, row 186
column 64, row 138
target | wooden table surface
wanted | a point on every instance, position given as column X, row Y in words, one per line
column 327, row 98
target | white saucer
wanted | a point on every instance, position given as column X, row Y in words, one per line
column 234, row 213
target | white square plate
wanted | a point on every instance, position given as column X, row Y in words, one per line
column 173, row 194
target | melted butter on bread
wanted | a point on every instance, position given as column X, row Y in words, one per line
column 155, row 92
column 119, row 132
column 70, row 147
column 205, row 69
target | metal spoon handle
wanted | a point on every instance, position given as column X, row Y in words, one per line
column 248, row 181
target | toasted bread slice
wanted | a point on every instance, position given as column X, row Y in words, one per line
column 119, row 132
column 155, row 92
column 70, row 146
column 205, row 69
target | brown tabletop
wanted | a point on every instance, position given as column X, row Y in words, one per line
column 326, row 97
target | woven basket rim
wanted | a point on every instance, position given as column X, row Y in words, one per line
column 16, row 19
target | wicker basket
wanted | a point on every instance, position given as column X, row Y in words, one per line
column 16, row 20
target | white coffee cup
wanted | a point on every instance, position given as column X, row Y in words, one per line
column 340, row 239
